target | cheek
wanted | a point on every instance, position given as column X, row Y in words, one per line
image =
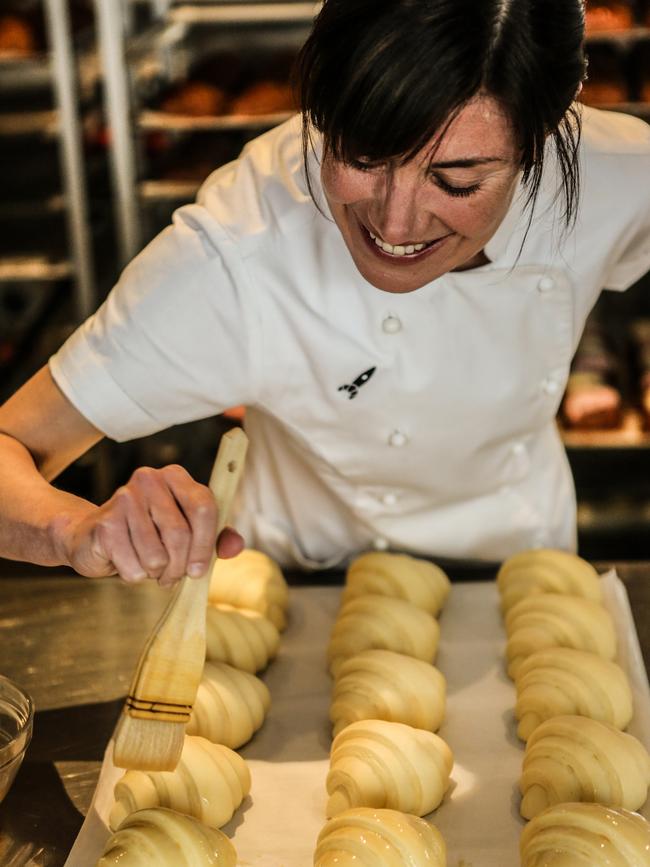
column 473, row 217
column 343, row 186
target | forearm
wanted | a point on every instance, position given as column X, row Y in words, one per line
column 32, row 512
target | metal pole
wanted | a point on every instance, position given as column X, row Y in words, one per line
column 71, row 155
column 118, row 114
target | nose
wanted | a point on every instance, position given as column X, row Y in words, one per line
column 397, row 201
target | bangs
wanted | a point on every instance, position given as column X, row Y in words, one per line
column 382, row 92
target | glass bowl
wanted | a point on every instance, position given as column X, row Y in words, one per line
column 16, row 722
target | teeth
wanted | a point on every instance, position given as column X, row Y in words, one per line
column 399, row 249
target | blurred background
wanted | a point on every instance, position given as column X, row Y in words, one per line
column 112, row 112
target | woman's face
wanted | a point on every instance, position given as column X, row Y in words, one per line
column 406, row 225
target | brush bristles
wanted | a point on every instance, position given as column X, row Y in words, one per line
column 147, row 745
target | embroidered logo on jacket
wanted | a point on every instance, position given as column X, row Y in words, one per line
column 362, row 379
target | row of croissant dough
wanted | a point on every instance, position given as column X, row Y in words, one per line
column 387, row 767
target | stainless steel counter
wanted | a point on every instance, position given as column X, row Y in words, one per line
column 73, row 644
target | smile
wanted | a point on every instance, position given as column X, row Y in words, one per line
column 407, row 251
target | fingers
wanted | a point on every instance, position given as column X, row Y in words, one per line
column 229, row 543
column 200, row 512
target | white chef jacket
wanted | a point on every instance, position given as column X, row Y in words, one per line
column 449, row 448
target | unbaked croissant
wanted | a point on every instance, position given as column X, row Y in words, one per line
column 546, row 570
column 243, row 639
column 559, row 681
column 381, row 684
column 572, row 758
column 209, row 783
column 363, row 837
column 379, row 621
column 251, row 580
column 230, row 705
column 586, row 835
column 555, row 620
column 375, row 763
column 399, row 575
column 162, row 838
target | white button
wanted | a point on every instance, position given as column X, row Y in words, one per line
column 518, row 450
column 380, row 544
column 391, row 325
column 389, row 499
column 397, row 439
column 546, row 284
column 550, row 386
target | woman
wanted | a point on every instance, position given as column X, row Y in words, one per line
column 394, row 289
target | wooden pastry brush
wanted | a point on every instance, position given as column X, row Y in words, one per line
column 150, row 733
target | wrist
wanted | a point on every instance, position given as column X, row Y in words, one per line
column 61, row 530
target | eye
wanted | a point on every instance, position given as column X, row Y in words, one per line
column 459, row 192
column 363, row 165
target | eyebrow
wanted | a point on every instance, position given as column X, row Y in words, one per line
column 466, row 163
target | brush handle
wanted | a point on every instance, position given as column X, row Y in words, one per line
column 169, row 671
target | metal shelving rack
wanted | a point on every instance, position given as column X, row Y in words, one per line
column 63, row 124
column 159, row 50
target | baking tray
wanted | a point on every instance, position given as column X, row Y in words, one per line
column 278, row 823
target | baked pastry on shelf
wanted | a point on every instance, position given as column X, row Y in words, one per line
column 585, row 835
column 159, row 837
column 593, row 399
column 196, row 99
column 264, row 97
column 573, row 758
column 364, row 837
column 602, row 15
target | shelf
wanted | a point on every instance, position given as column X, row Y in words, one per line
column 630, row 434
column 168, row 190
column 54, row 204
column 162, row 120
column 21, row 72
column 15, row 123
column 244, row 13
column 20, row 268
column 621, row 37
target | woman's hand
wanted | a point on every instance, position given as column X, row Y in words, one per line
column 162, row 525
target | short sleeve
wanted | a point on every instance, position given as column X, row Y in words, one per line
column 631, row 258
column 175, row 340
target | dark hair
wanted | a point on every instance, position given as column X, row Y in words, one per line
column 380, row 78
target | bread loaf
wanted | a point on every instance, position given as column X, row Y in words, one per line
column 381, row 622
column 379, row 838
column 159, row 837
column 375, row 763
column 546, row 570
column 230, row 705
column 398, row 575
column 243, row 639
column 555, row 620
column 572, row 758
column 586, row 835
column 209, row 783
column 381, row 684
column 560, row 681
column 254, row 581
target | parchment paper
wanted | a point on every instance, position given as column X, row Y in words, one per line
column 278, row 823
